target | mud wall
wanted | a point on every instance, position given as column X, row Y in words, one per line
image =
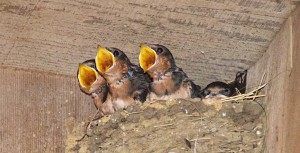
column 36, row 108
column 281, row 64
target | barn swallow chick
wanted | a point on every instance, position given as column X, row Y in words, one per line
column 127, row 82
column 168, row 80
column 217, row 90
column 93, row 84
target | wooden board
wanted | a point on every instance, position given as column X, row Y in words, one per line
column 210, row 39
column 292, row 124
column 281, row 66
column 37, row 108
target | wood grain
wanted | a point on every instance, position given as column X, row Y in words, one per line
column 281, row 65
column 292, row 124
column 35, row 109
column 210, row 39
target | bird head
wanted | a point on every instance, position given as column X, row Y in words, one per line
column 112, row 62
column 217, row 89
column 155, row 58
column 89, row 79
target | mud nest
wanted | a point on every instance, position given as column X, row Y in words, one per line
column 175, row 126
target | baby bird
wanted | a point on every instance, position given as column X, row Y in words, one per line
column 168, row 80
column 217, row 90
column 94, row 84
column 127, row 82
column 220, row 89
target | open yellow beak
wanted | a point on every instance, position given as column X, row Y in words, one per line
column 86, row 76
column 147, row 57
column 104, row 59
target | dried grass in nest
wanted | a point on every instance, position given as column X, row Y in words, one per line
column 247, row 96
column 252, row 95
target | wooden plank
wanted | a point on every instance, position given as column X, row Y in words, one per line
column 292, row 124
column 281, row 66
column 211, row 39
column 35, row 109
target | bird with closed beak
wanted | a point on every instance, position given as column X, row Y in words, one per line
column 168, row 80
column 219, row 90
column 127, row 82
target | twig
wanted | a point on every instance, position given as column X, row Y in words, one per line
column 164, row 125
column 134, row 113
column 203, row 138
column 256, row 140
column 193, row 115
column 242, row 98
column 88, row 126
column 201, row 118
column 249, row 95
column 195, row 146
column 260, row 83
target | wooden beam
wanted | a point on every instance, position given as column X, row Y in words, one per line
column 281, row 63
column 210, row 39
column 292, row 124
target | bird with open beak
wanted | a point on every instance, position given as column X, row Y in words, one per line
column 127, row 82
column 94, row 84
column 168, row 80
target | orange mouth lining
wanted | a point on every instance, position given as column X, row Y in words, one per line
column 86, row 76
column 104, row 60
column 147, row 57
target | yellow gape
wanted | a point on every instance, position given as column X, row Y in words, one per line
column 104, row 59
column 86, row 76
column 147, row 57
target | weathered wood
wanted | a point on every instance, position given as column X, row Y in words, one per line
column 292, row 124
column 211, row 39
column 281, row 63
column 37, row 108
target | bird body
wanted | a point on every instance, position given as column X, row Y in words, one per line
column 94, row 84
column 220, row 89
column 168, row 80
column 127, row 83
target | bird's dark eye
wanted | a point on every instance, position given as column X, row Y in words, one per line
column 159, row 50
column 227, row 90
column 116, row 53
